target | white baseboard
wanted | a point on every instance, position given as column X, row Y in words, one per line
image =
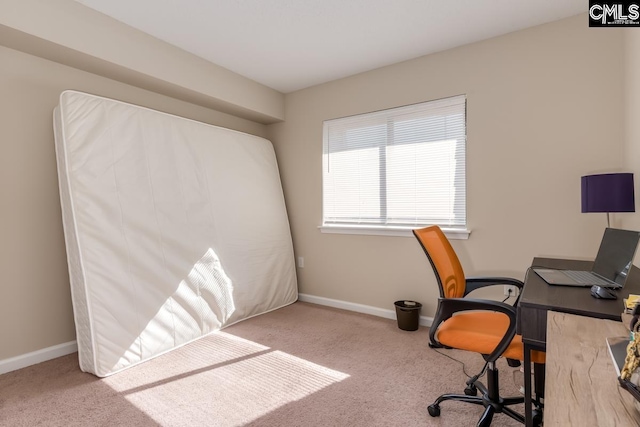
column 358, row 308
column 39, row 356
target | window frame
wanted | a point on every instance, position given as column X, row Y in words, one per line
column 456, row 232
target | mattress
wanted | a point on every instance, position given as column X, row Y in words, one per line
column 174, row 229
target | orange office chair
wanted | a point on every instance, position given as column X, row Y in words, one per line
column 483, row 326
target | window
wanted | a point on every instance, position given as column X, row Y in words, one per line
column 396, row 169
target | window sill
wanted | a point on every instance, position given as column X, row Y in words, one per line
column 372, row 230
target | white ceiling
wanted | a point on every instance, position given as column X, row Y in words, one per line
column 292, row 44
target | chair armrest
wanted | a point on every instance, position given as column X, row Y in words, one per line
column 473, row 283
column 449, row 306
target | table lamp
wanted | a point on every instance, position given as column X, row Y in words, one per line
column 609, row 192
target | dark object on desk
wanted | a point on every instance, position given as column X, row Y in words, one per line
column 602, row 292
column 618, row 351
column 611, row 267
column 631, row 388
column 486, row 327
column 636, row 317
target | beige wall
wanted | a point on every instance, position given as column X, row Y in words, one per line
column 544, row 107
column 70, row 33
column 35, row 302
column 631, row 119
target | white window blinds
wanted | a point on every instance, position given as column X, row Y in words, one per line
column 399, row 167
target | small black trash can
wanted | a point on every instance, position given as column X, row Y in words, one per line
column 408, row 314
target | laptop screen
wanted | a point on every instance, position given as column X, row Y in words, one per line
column 615, row 256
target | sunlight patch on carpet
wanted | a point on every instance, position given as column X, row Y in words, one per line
column 209, row 352
column 228, row 381
column 236, row 393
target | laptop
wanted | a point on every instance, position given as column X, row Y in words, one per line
column 610, row 268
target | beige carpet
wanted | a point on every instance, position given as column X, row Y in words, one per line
column 303, row 365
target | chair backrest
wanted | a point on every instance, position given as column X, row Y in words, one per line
column 444, row 261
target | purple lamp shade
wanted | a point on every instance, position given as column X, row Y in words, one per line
column 610, row 192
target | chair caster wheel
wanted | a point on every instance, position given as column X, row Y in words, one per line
column 471, row 390
column 434, row 410
column 537, row 418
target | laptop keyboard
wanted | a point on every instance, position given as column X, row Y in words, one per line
column 587, row 278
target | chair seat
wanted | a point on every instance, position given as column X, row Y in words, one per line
column 481, row 332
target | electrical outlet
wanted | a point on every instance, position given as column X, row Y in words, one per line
column 513, row 289
column 300, row 262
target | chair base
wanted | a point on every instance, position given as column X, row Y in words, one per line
column 489, row 398
column 490, row 409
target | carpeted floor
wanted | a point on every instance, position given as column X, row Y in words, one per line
column 303, row 365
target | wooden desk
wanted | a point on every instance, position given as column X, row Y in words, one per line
column 538, row 298
column 581, row 385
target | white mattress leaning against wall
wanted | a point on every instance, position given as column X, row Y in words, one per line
column 174, row 229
